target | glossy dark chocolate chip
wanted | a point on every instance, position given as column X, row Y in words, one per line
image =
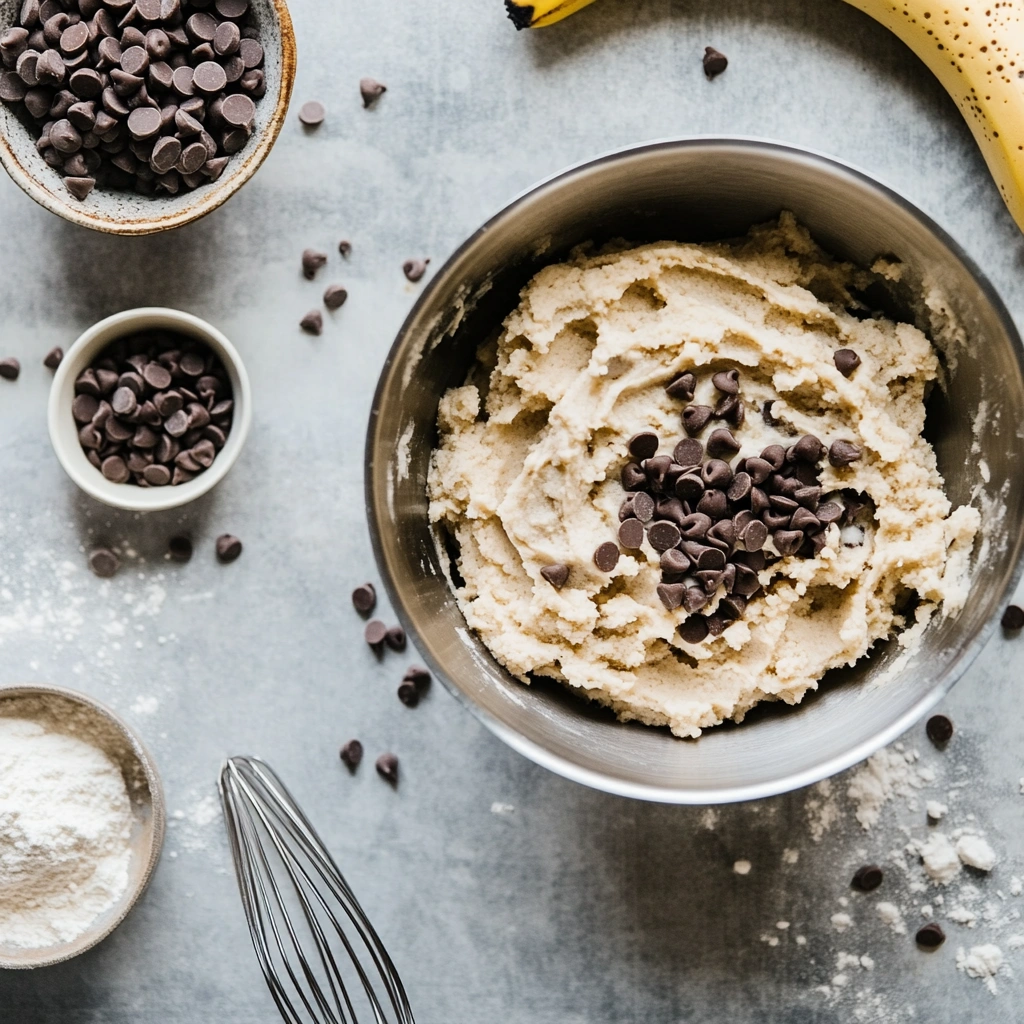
column 739, row 489
column 804, row 519
column 662, row 536
column 371, row 90
column 1013, row 617
column 867, row 878
column 375, row 634
column 395, row 638
column 696, row 418
column 842, row 453
column 930, row 936
column 408, row 694
column 722, row 443
column 787, row 542
column 387, row 768
column 939, row 729
column 671, row 594
column 774, row 455
column 606, row 557
column 364, row 598
column 846, row 361
column 682, row 387
column 351, row 755
column 631, row 534
column 689, row 487
column 179, row 548
column 688, row 452
column 643, row 506
column 732, row 606
column 558, row 573
column 694, row 629
column 10, row 368
column 695, row 525
column 313, row 322
column 103, row 562
column 228, row 548
column 716, row 473
column 731, row 409
column 714, row 61
column 312, row 261
column 808, row 449
column 418, row 676
column 633, row 477
column 674, row 562
column 414, row 269
column 643, row 445
column 745, row 581
column 829, row 513
column 714, row 503
column 656, row 469
column 335, row 296
column 727, row 381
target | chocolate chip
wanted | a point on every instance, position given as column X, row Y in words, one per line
column 829, row 513
column 312, row 113
column 727, row 381
column 643, row 506
column 228, row 548
column 10, row 368
column 695, row 418
column 656, row 470
column 414, row 269
column 714, row 62
column 335, row 296
column 731, row 409
column 846, row 361
column 364, row 598
column 939, row 729
column 1013, row 617
column 103, row 562
column 313, row 322
column 557, row 574
column 745, row 581
column 662, row 536
column 375, row 634
column 114, row 469
column 787, row 542
column 695, row 525
column 345, row 248
column 180, row 547
column 721, row 535
column 732, row 606
column 682, row 387
column 842, row 453
column 930, row 936
column 53, row 358
column 312, row 261
column 694, row 629
column 867, row 878
column 671, row 594
column 633, row 477
column 716, row 473
column 775, row 455
column 631, row 534
column 804, row 519
column 688, row 452
column 722, row 443
column 387, row 768
column 808, row 449
column 408, row 694
column 418, row 676
column 606, row 557
column 714, row 503
column 674, row 562
column 351, row 754
column 739, row 489
column 395, row 638
column 371, row 90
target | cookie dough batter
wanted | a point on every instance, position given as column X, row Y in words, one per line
column 528, row 473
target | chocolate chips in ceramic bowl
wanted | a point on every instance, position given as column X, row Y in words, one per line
column 153, row 96
column 153, row 409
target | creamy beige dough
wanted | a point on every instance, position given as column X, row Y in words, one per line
column 527, row 473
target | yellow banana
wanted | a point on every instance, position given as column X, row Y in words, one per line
column 975, row 49
column 540, row 13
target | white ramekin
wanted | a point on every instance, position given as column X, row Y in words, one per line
column 64, row 430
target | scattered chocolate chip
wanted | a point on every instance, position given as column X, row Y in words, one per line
column 671, row 594
column 631, row 534
column 418, row 676
column 228, row 548
column 682, row 387
column 643, row 506
column 674, row 562
column 312, row 113
column 939, row 729
column 727, row 381
column 395, row 638
column 867, row 878
column 364, row 598
column 345, row 248
column 557, row 574
column 688, row 452
column 387, row 768
column 696, row 418
column 9, row 368
column 351, row 754
column 694, row 629
column 662, row 536
column 335, row 296
column 179, row 548
column 312, row 261
column 371, row 90
column 375, row 634
column 643, row 445
column 633, row 477
column 52, row 358
column 408, row 694
column 714, row 62
column 104, row 562
column 846, row 361
column 787, row 542
column 808, row 449
column 606, row 557
column 414, row 269
column 1013, row 617
column 842, row 453
column 722, row 443
column 930, row 936
column 313, row 322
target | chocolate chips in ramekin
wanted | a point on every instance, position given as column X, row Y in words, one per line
column 709, row 518
column 153, row 409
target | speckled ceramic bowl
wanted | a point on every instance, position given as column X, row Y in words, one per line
column 125, row 213
column 83, row 714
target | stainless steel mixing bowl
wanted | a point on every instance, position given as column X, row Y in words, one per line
column 698, row 189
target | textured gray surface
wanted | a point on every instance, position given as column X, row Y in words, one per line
column 574, row 906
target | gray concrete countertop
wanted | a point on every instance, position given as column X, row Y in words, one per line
column 503, row 892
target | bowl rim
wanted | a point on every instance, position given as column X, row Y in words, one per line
column 127, row 496
column 159, row 819
column 216, row 195
column 540, row 755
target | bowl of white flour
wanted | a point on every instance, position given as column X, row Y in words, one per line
column 81, row 824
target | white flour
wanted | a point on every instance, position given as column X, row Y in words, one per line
column 65, row 826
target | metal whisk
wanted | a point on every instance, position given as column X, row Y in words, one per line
column 319, row 953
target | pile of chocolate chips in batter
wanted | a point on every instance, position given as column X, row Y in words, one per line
column 709, row 521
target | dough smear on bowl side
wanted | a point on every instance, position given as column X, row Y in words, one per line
column 570, row 425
